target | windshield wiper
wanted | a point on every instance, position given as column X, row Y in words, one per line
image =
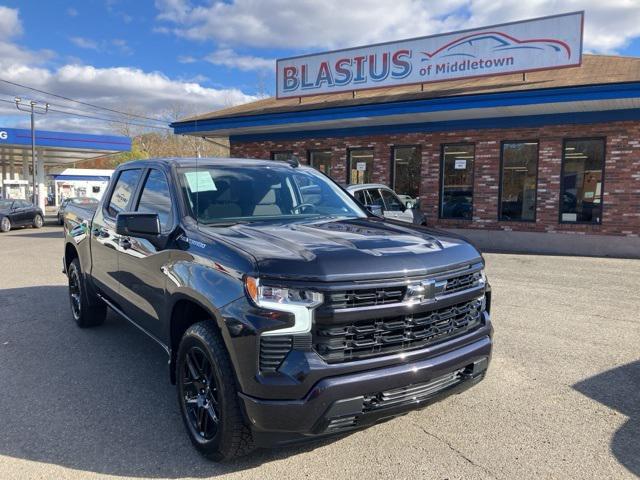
column 225, row 223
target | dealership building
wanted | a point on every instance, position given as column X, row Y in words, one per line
column 544, row 160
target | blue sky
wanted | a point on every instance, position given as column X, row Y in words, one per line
column 178, row 57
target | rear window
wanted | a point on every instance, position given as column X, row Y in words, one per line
column 123, row 191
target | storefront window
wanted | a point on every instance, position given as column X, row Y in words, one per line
column 321, row 161
column 282, row 155
column 360, row 166
column 518, row 181
column 406, row 171
column 581, row 182
column 457, row 181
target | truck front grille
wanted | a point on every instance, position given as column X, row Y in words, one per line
column 374, row 337
column 369, row 297
column 462, row 282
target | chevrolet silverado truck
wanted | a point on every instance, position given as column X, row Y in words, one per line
column 287, row 309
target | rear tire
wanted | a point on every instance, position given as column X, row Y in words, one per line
column 87, row 310
column 38, row 221
column 5, row 224
column 208, row 395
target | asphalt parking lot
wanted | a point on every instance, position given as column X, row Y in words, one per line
column 561, row 400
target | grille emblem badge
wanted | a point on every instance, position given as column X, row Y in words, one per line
column 423, row 291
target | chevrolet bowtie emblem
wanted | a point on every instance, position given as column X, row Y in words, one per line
column 424, row 291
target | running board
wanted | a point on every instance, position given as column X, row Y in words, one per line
column 141, row 328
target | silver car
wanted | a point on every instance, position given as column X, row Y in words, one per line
column 380, row 198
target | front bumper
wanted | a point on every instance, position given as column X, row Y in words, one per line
column 343, row 403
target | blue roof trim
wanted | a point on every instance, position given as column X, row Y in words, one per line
column 501, row 122
column 84, row 141
column 460, row 102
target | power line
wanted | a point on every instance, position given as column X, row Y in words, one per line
column 81, row 102
column 93, row 117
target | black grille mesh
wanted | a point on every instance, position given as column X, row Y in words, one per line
column 367, row 338
column 365, row 297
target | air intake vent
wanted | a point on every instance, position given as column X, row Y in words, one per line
column 273, row 350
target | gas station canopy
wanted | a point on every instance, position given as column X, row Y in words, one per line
column 58, row 148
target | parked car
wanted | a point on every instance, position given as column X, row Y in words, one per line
column 19, row 213
column 287, row 310
column 383, row 200
column 85, row 202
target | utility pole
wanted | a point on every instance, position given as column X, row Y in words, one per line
column 33, row 108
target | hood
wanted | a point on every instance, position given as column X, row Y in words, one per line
column 345, row 249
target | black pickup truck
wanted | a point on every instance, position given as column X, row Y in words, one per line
column 288, row 310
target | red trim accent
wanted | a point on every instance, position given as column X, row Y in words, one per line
column 513, row 39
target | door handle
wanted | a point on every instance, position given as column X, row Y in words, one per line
column 124, row 243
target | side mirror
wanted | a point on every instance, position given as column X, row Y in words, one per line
column 138, row 224
column 375, row 210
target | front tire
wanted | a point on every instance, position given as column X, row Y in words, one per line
column 207, row 395
column 86, row 313
column 38, row 221
column 5, row 224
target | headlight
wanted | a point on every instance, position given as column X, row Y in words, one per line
column 299, row 302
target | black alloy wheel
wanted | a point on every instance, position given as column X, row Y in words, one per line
column 208, row 395
column 200, row 394
column 75, row 294
column 86, row 308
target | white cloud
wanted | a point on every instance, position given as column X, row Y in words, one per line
column 187, row 59
column 309, row 24
column 228, row 58
column 72, row 12
column 85, row 43
column 121, row 88
column 10, row 25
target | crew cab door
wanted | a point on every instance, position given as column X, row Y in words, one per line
column 104, row 241
column 141, row 261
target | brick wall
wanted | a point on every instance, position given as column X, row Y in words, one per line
column 621, row 200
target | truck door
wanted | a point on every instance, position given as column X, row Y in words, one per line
column 141, row 261
column 104, row 241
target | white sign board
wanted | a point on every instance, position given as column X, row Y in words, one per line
column 361, row 166
column 538, row 44
column 460, row 165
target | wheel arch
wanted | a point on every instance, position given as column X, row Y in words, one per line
column 186, row 311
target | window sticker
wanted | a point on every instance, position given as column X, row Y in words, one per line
column 200, row 181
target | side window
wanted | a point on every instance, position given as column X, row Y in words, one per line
column 156, row 198
column 376, row 199
column 391, row 201
column 123, row 191
column 362, row 197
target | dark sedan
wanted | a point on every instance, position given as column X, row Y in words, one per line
column 19, row 213
column 85, row 202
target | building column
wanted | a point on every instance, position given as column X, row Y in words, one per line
column 40, row 182
column 4, row 175
column 25, row 168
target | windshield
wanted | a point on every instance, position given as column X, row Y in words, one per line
column 250, row 193
column 5, row 204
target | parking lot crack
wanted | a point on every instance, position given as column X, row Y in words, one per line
column 458, row 452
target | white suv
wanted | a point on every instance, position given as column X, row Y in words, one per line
column 393, row 207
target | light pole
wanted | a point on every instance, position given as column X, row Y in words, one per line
column 32, row 109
